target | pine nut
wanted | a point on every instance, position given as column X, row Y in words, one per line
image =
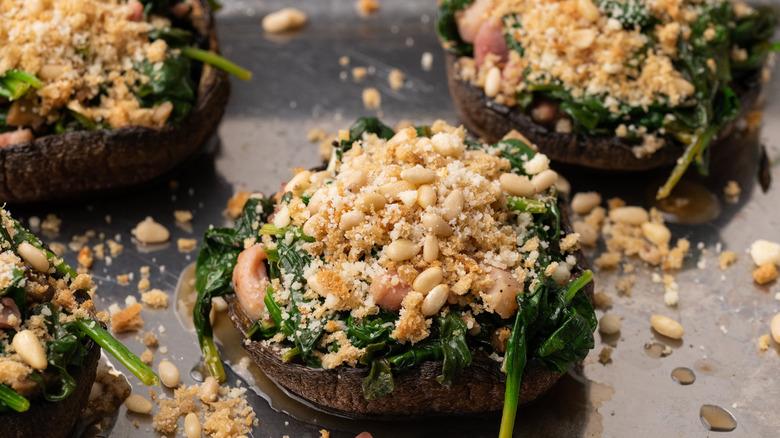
column 684, row 87
column 542, row 181
column 401, row 249
column 583, row 38
column 656, row 233
column 449, row 145
column 169, row 374
column 588, row 235
column 393, row 189
column 629, row 215
column 192, row 426
column 34, row 256
column 30, row 349
column 610, row 324
column 284, row 20
column 588, row 10
column 435, row 299
column 774, row 327
column 538, row 164
column 371, row 202
column 351, row 219
column 418, row 175
column 209, row 390
column 319, row 177
column 584, row 202
column 315, row 202
column 430, row 248
column 437, row 225
column 453, row 205
column 493, row 82
column 667, row 326
column 138, row 404
column 149, row 231
column 313, row 226
column 426, row 196
column 282, row 217
column 298, row 183
column 517, row 185
column 428, row 279
column 355, row 180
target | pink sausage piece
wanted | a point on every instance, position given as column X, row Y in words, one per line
column 135, row 10
column 389, row 290
column 10, row 317
column 490, row 39
column 364, row 435
column 180, row 10
column 250, row 280
column 471, row 18
column 13, row 137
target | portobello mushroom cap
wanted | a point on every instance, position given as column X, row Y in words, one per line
column 55, row 419
column 491, row 121
column 477, row 388
column 73, row 164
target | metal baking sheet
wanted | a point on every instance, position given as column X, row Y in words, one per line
column 299, row 85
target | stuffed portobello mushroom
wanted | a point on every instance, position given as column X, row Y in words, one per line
column 608, row 84
column 419, row 273
column 50, row 338
column 104, row 94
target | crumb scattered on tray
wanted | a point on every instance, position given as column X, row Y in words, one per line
column 732, row 191
column 186, row 245
column 605, row 355
column 726, row 259
column 150, row 340
column 235, row 205
column 359, row 73
column 371, row 98
column 396, row 79
column 184, row 216
column 128, row 319
column 763, row 343
column 344, row 61
column 366, row 7
column 155, row 298
column 765, row 273
column 123, row 279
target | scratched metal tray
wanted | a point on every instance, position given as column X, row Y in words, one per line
column 298, row 85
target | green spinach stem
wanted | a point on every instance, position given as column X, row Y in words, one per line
column 217, row 61
column 698, row 143
column 100, row 335
column 13, row 400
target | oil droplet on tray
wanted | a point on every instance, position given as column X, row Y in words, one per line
column 717, row 419
column 683, row 376
column 689, row 203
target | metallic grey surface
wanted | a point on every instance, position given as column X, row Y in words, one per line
column 297, row 87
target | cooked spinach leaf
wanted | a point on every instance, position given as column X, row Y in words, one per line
column 452, row 336
column 363, row 125
column 169, row 81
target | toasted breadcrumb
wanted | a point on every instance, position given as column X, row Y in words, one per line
column 155, row 298
column 150, row 340
column 763, row 343
column 128, row 319
column 605, row 355
column 86, row 258
column 324, row 434
column 366, row 7
column 726, row 259
column 186, row 245
column 235, row 205
column 371, row 99
column 184, row 216
column 359, row 73
column 147, row 357
column 396, row 79
column 765, row 273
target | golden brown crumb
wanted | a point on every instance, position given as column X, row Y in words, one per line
column 602, row 300
column 726, row 259
column 186, row 245
column 396, row 79
column 235, row 205
column 316, row 135
column 128, row 319
column 85, row 258
column 732, row 191
column 123, row 279
column 625, row 284
column 605, row 355
column 359, row 73
column 765, row 273
column 143, row 284
column 150, row 340
column 184, row 216
column 608, row 260
column 324, row 434
column 155, row 298
column 371, row 99
column 114, row 248
column 763, row 343
column 147, row 356
column 366, row 7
